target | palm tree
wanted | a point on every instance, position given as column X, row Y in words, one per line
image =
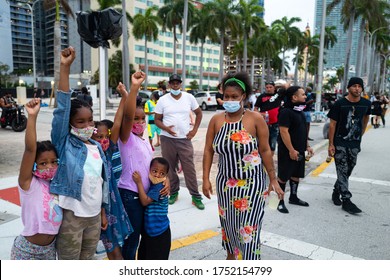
column 199, row 33
column 350, row 12
column 289, row 34
column 250, row 21
column 50, row 4
column 171, row 15
column 267, row 45
column 222, row 17
column 330, row 37
column 146, row 26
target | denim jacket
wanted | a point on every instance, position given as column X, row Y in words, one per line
column 72, row 154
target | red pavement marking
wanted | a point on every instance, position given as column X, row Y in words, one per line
column 11, row 195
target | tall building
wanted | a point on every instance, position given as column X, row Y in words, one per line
column 335, row 57
column 160, row 52
column 5, row 35
column 19, row 25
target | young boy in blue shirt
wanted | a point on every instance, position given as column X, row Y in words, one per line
column 156, row 238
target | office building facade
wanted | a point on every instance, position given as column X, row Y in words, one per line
column 18, row 17
column 335, row 56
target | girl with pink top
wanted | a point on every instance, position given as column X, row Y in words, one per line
column 136, row 155
column 41, row 215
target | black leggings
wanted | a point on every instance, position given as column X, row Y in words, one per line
column 156, row 247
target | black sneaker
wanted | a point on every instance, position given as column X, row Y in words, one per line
column 282, row 208
column 298, row 202
column 336, row 198
column 350, row 207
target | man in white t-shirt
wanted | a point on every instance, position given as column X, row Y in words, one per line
column 172, row 115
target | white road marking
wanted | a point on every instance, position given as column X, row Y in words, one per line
column 357, row 179
column 303, row 249
column 8, row 182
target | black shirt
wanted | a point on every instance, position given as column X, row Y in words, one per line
column 219, row 95
column 296, row 123
column 349, row 117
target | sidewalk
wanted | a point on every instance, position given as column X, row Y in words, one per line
column 188, row 224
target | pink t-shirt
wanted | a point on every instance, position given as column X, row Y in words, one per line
column 136, row 155
column 40, row 210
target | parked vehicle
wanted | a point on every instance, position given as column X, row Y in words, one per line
column 206, row 100
column 15, row 118
column 145, row 95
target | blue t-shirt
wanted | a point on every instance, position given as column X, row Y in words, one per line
column 156, row 213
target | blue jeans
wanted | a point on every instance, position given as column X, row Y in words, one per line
column 135, row 211
column 273, row 135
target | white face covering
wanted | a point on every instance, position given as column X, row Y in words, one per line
column 82, row 133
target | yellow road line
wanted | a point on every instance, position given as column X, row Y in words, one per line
column 320, row 168
column 188, row 240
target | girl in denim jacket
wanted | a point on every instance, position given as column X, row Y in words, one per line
column 81, row 180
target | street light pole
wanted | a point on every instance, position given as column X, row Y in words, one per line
column 32, row 36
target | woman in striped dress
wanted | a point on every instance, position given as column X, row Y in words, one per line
column 240, row 138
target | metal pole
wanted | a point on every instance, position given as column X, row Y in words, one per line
column 125, row 49
column 321, row 58
column 102, row 81
column 183, row 59
column 32, row 37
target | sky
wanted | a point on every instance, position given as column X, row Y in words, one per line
column 304, row 9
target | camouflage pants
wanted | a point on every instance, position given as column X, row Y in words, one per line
column 345, row 161
column 78, row 237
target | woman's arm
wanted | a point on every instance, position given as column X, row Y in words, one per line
column 208, row 154
column 130, row 105
column 115, row 130
column 30, row 140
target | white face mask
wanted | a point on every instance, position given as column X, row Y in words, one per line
column 175, row 91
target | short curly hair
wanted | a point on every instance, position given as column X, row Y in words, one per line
column 241, row 76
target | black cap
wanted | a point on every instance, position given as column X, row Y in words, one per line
column 175, row 77
column 355, row 81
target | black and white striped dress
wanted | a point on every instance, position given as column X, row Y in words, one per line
column 240, row 187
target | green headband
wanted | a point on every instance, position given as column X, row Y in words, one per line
column 240, row 83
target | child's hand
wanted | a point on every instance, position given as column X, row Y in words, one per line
column 67, row 56
column 33, row 106
column 137, row 177
column 104, row 221
column 137, row 78
column 121, row 89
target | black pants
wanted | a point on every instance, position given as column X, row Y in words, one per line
column 156, row 247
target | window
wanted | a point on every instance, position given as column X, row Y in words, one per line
column 139, row 48
column 195, row 49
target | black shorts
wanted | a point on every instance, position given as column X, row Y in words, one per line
column 288, row 168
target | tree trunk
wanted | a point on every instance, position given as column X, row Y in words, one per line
column 262, row 74
column 174, row 50
column 296, row 69
column 283, row 59
column 348, row 52
column 360, row 49
column 221, row 55
column 252, row 70
column 201, row 67
column 146, row 65
column 183, row 61
column 245, row 55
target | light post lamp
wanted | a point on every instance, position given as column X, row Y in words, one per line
column 369, row 62
column 20, row 4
